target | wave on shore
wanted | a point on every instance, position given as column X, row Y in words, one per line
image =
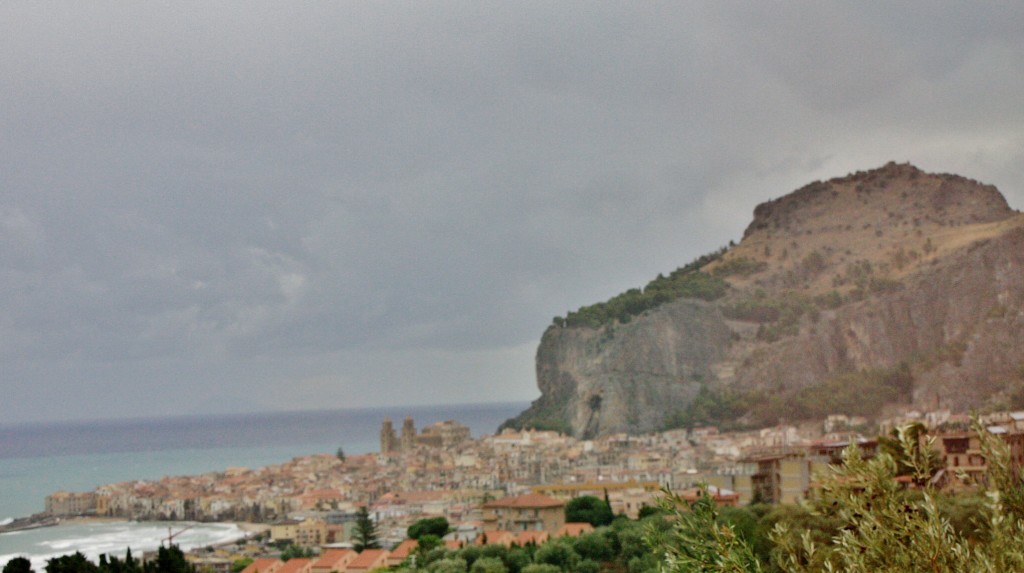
column 94, row 539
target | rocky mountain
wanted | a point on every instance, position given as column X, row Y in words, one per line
column 890, row 286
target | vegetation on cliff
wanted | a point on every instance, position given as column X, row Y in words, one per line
column 856, row 393
column 685, row 282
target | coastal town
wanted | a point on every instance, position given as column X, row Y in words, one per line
column 512, row 487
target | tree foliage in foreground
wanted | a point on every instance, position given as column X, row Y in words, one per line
column 882, row 528
column 168, row 560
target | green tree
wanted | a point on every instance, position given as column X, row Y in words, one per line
column 594, row 546
column 588, row 509
column 169, row 560
column 115, row 565
column 340, row 454
column 647, row 511
column 517, row 558
column 293, row 551
column 365, row 532
column 74, row 563
column 909, row 449
column 541, row 568
column 240, row 564
column 471, row 553
column 427, row 543
column 494, row 550
column 431, row 525
column 559, row 554
column 448, row 565
column 697, row 542
column 18, row 565
column 435, row 554
column 488, row 565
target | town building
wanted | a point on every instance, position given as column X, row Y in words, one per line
column 529, row 512
column 964, row 463
column 63, row 503
column 306, row 533
column 408, row 439
column 388, row 440
column 447, row 434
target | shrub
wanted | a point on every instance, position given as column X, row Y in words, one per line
column 488, row 565
column 685, row 282
column 881, row 528
column 541, row 568
column 739, row 266
column 588, row 509
column 448, row 565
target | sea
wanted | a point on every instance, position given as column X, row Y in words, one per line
column 37, row 459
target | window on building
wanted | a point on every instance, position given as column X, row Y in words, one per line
column 956, row 445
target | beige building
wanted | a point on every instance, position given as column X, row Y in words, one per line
column 308, row 533
column 530, row 512
column 625, row 497
column 69, row 503
column 408, row 438
column 388, row 439
column 741, row 483
column 445, row 434
column 962, row 456
column 784, row 478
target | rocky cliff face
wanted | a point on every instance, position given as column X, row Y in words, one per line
column 886, row 285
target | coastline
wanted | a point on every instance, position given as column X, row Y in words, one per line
column 95, row 537
column 36, row 521
column 39, row 521
column 95, row 453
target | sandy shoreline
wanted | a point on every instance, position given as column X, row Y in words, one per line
column 87, row 519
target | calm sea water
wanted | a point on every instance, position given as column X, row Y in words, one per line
column 38, row 459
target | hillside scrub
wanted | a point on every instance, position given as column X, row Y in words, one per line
column 739, row 266
column 685, row 282
column 858, row 393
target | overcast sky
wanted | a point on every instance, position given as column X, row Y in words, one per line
column 223, row 207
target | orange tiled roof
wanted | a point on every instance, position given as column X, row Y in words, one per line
column 574, row 529
column 530, row 500
column 263, row 565
column 535, row 537
column 496, row 537
column 330, row 558
column 368, row 558
column 403, row 550
column 297, row 565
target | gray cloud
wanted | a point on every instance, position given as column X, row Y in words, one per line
column 253, row 206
